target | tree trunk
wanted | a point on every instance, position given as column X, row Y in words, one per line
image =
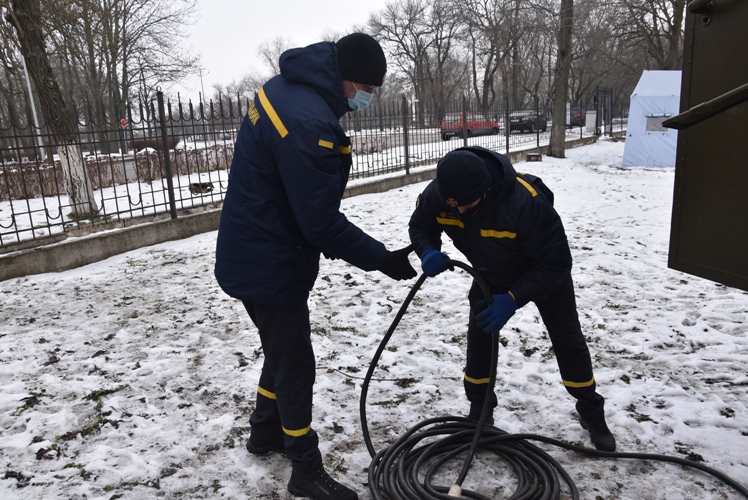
column 557, row 146
column 25, row 15
column 675, row 50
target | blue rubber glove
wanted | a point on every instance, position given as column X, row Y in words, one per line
column 434, row 262
column 493, row 319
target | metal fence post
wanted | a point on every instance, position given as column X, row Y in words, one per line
column 507, row 128
column 537, row 113
column 167, row 159
column 598, row 109
column 464, row 121
column 405, row 134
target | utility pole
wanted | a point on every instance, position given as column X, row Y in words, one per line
column 202, row 98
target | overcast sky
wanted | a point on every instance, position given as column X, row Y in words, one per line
column 228, row 33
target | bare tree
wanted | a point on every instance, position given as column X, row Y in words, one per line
column 270, row 52
column 658, row 25
column 492, row 34
column 142, row 41
column 537, row 42
column 119, row 49
column 25, row 16
column 444, row 71
column 420, row 39
column 244, row 88
column 406, row 36
column 237, row 93
column 557, row 145
column 11, row 81
column 615, row 41
column 591, row 42
column 606, row 51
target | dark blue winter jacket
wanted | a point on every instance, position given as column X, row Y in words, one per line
column 290, row 168
column 514, row 239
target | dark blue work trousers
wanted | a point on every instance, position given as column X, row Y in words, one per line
column 559, row 313
column 284, row 395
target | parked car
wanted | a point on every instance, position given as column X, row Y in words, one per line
column 527, row 120
column 577, row 118
column 476, row 124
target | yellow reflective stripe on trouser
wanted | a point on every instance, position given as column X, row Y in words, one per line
column 477, row 381
column 290, row 432
column 271, row 113
column 298, row 432
column 266, row 393
column 579, row 385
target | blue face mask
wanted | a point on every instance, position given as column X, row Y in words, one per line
column 360, row 100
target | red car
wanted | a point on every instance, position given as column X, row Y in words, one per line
column 577, row 118
column 477, row 124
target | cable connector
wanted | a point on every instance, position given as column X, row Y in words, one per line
column 455, row 491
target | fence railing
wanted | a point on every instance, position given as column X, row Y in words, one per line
column 133, row 175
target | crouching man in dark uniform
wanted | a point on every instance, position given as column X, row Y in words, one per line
column 506, row 226
column 282, row 209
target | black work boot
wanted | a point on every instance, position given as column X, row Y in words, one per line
column 318, row 485
column 475, row 413
column 260, row 444
column 601, row 436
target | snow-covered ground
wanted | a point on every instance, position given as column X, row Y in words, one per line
column 134, row 377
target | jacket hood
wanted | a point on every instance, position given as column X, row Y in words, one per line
column 500, row 168
column 503, row 177
column 316, row 65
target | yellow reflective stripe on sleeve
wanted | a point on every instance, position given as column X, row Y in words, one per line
column 579, row 385
column 490, row 233
column 346, row 150
column 513, row 297
column 325, row 144
column 528, row 186
column 271, row 113
column 450, row 222
column 298, row 432
column 253, row 114
column 266, row 393
column 477, row 381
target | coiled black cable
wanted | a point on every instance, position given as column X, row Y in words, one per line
column 406, row 469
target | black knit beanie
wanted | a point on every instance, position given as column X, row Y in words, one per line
column 461, row 178
column 361, row 59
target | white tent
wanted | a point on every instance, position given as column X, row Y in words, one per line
column 655, row 98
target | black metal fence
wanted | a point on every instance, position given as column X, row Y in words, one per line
column 161, row 158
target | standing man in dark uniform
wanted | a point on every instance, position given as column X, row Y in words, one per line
column 506, row 226
column 282, row 209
